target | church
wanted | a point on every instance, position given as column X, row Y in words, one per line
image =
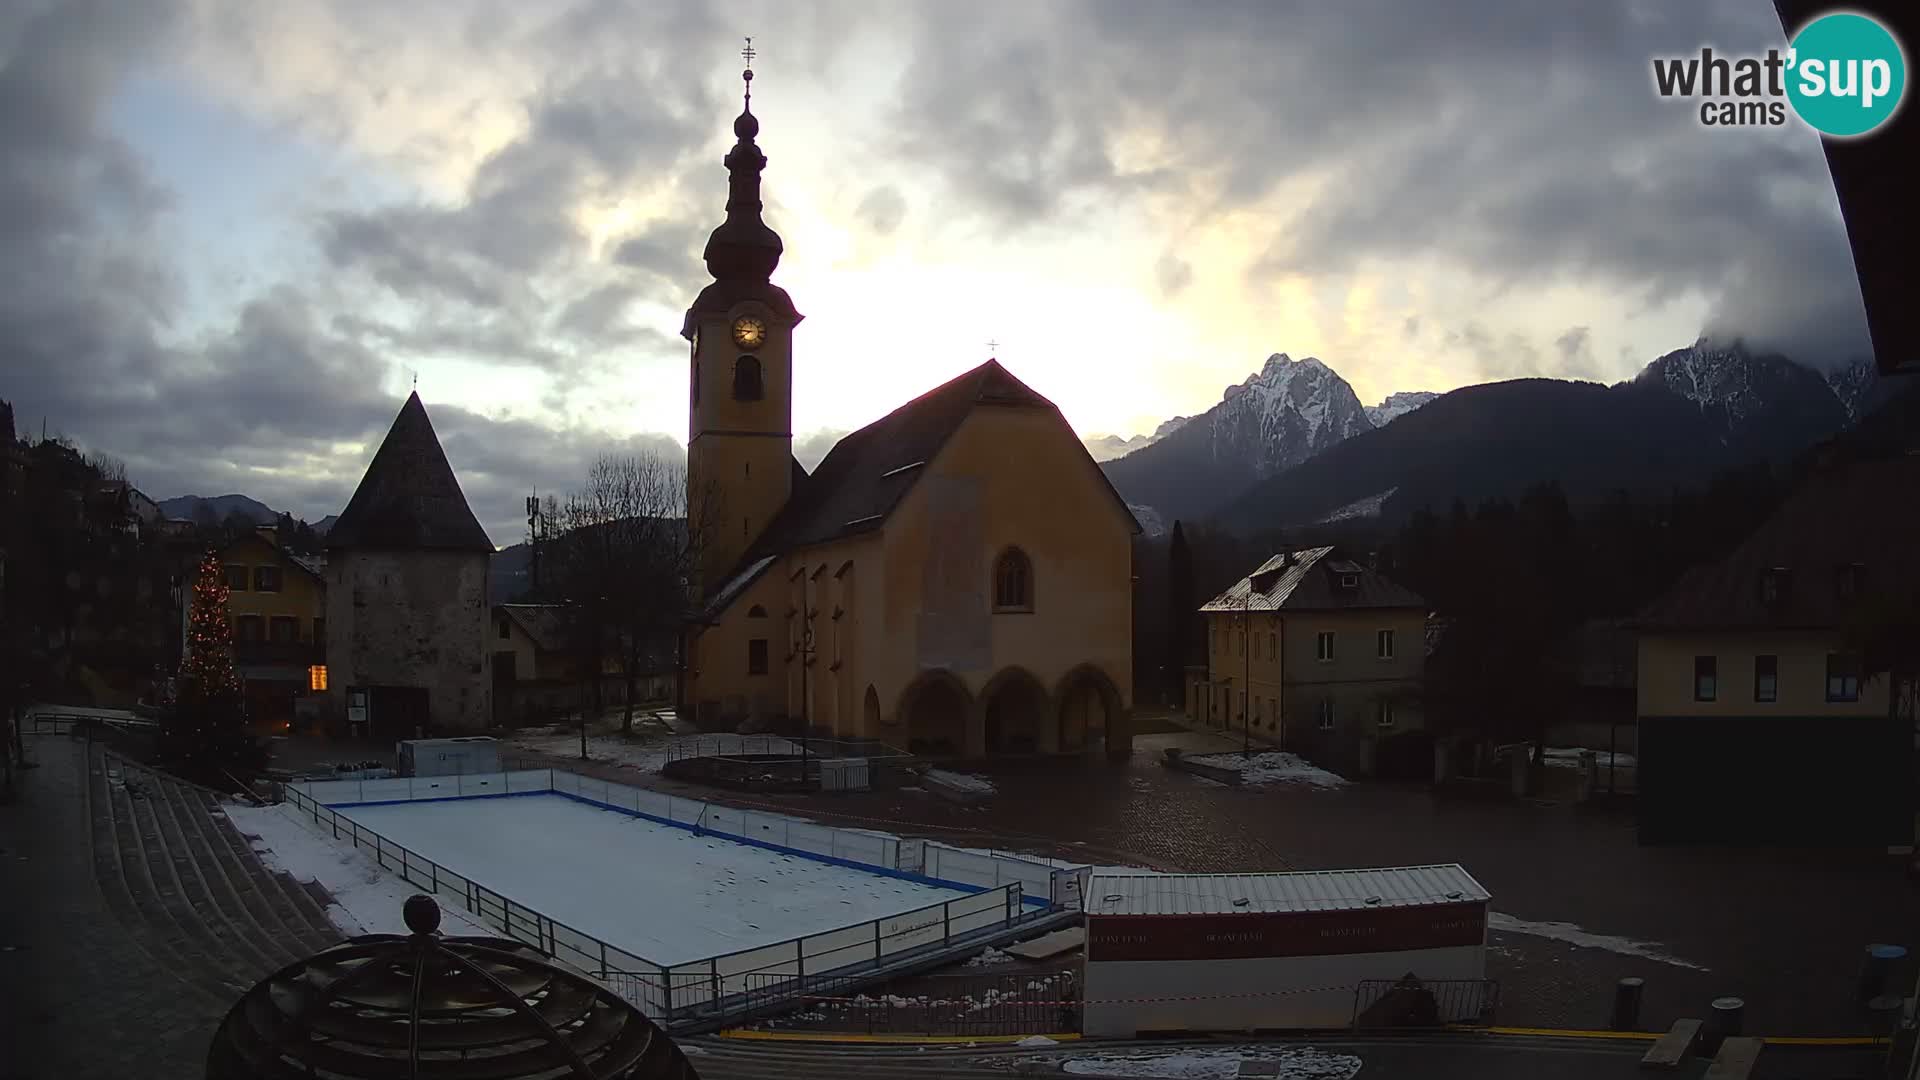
column 954, row 579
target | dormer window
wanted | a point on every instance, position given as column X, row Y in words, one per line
column 1349, row 582
column 1773, row 585
column 1847, row 582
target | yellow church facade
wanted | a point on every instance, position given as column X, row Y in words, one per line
column 954, row 579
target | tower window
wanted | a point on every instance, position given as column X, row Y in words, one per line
column 746, row 379
column 757, row 656
column 1013, row 581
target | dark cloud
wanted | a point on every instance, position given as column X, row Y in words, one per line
column 882, row 210
column 667, row 255
column 1172, row 274
column 1574, row 350
column 1521, row 141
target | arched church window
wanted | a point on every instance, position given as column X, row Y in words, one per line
column 746, row 379
column 756, row 612
column 1013, row 581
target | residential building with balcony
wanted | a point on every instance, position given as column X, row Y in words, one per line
column 278, row 603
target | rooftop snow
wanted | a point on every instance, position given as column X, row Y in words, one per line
column 1314, row 890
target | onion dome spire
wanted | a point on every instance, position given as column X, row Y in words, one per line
column 743, row 248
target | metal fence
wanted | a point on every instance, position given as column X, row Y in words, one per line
column 1423, row 1003
column 715, row 986
column 726, row 745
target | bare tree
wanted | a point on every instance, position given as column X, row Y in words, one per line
column 623, row 552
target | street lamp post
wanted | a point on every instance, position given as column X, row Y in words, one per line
column 804, row 652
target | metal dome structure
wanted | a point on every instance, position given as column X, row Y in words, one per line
column 396, row 1006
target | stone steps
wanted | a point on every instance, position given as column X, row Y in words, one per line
column 192, row 889
column 126, row 880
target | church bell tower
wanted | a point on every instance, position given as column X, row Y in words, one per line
column 740, row 396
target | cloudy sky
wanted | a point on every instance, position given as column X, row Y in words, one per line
column 232, row 233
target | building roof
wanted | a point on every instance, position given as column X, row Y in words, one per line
column 544, row 623
column 409, row 498
column 1313, row 890
column 867, row 473
column 1861, row 515
column 1309, row 581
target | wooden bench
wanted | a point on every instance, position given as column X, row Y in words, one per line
column 1670, row 1049
column 1735, row 1059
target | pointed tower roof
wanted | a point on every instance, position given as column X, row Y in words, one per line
column 409, row 498
column 743, row 250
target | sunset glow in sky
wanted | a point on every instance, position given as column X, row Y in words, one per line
column 237, row 231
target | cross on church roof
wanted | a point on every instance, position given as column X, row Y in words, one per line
column 748, row 54
column 992, row 346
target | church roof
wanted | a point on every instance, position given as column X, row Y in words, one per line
column 409, row 498
column 867, row 473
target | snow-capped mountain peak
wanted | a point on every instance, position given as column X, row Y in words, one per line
column 1398, row 405
column 1284, row 414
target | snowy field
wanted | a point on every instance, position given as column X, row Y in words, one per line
column 655, row 891
column 366, row 899
column 647, row 752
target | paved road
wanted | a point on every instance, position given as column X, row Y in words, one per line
column 1784, row 930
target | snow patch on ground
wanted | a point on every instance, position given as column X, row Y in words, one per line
column 367, row 899
column 962, row 781
column 1305, row 1063
column 1273, row 767
column 1360, row 508
column 991, row 957
column 1035, row 1042
column 1574, row 935
column 662, row 893
column 1568, row 757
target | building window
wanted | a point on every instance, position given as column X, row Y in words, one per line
column 1240, row 638
column 266, row 579
column 319, row 631
column 317, row 677
column 236, row 578
column 1273, row 646
column 1383, row 644
column 1383, row 714
column 283, row 630
column 1846, row 582
column 1349, row 581
column 1258, row 716
column 1273, row 713
column 1706, row 678
column 247, row 628
column 757, row 656
column 1323, row 646
column 1766, row 678
column 1843, row 677
column 746, row 379
column 756, row 612
column 506, row 632
column 1325, row 713
column 1013, row 581
column 1773, row 585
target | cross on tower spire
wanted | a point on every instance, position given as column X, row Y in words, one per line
column 992, row 347
column 746, row 76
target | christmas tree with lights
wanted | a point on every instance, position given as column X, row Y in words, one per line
column 205, row 735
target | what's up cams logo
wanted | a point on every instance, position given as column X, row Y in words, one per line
column 1843, row 75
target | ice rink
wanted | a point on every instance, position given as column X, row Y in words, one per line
column 656, row 891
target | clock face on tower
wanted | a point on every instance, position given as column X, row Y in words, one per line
column 749, row 332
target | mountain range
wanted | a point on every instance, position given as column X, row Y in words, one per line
column 217, row 508
column 1279, row 417
column 1292, row 447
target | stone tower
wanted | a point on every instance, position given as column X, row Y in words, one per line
column 740, row 410
column 407, row 611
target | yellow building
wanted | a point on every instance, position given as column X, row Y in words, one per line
column 1758, row 721
column 1317, row 653
column 278, row 603
column 954, row 578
